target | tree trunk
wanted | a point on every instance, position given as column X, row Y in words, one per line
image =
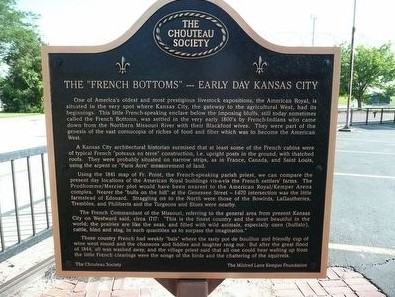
column 359, row 100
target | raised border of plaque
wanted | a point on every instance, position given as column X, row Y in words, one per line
column 60, row 149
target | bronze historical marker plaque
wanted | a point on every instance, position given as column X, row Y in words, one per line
column 191, row 148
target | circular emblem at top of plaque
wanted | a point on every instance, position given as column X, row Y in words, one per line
column 190, row 34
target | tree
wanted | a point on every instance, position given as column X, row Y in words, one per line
column 20, row 46
column 374, row 71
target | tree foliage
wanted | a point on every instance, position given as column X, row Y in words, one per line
column 20, row 46
column 374, row 72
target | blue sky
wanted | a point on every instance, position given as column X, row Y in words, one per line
column 283, row 22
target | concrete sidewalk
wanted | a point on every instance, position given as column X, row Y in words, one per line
column 340, row 282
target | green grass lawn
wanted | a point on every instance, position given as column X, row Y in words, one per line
column 7, row 115
column 342, row 100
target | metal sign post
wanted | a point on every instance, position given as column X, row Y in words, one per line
column 190, row 287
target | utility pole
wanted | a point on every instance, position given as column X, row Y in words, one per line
column 314, row 18
column 346, row 128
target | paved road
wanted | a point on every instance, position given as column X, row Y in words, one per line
column 17, row 134
column 21, row 133
column 363, row 210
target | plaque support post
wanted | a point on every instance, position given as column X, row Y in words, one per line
column 190, row 287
